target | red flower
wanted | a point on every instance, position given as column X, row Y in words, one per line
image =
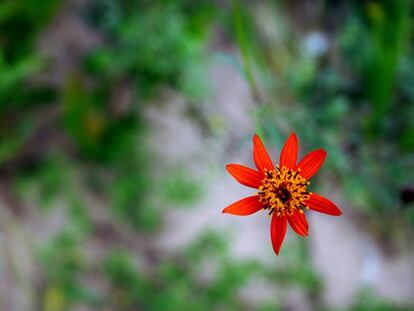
column 282, row 189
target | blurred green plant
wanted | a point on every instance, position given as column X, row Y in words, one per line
column 177, row 283
column 385, row 40
column 178, row 187
column 367, row 301
column 20, row 23
column 64, row 267
column 174, row 56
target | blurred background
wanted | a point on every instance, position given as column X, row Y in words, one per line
column 117, row 118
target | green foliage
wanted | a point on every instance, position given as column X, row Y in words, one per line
column 130, row 198
column 128, row 284
column 153, row 44
column 63, row 259
column 64, row 265
column 47, row 180
column 13, row 137
column 87, row 119
column 387, row 39
column 177, row 283
column 180, row 188
column 20, row 23
column 203, row 277
column 367, row 301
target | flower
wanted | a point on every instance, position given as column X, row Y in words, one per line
column 282, row 189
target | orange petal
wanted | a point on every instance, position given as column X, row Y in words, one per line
column 244, row 207
column 289, row 153
column 299, row 223
column 311, row 163
column 244, row 175
column 278, row 231
column 260, row 156
column 320, row 204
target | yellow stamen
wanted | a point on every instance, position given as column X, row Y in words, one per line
column 283, row 191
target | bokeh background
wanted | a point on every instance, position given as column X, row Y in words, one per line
column 117, row 118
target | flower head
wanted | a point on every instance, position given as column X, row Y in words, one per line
column 282, row 189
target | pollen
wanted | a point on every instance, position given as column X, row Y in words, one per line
column 283, row 191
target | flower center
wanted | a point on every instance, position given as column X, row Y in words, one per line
column 283, row 191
